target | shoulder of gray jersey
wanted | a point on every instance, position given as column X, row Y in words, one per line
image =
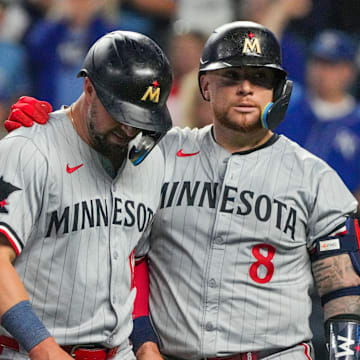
column 178, row 137
column 329, row 199
column 310, row 163
column 40, row 136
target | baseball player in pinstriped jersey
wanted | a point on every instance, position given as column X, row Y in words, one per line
column 235, row 233
column 247, row 221
column 74, row 205
column 245, row 217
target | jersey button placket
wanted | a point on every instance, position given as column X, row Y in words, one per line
column 212, row 294
column 214, row 266
column 219, row 240
column 115, row 264
column 223, row 168
column 212, row 283
column 209, row 326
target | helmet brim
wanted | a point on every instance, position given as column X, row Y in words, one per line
column 233, row 63
column 157, row 120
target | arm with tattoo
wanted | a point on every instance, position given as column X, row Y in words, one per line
column 336, row 273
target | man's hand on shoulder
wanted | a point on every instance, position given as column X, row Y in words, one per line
column 148, row 351
column 48, row 349
column 27, row 110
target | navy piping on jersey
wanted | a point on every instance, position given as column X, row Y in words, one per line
column 271, row 141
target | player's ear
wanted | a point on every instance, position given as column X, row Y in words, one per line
column 204, row 85
column 89, row 90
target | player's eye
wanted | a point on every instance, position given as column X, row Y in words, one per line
column 232, row 75
column 257, row 76
column 262, row 77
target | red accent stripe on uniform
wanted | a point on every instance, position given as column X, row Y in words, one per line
column 140, row 260
column 132, row 263
column 341, row 233
column 306, row 351
column 357, row 231
column 141, row 303
column 11, row 241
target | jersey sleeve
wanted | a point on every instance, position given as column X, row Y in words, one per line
column 332, row 203
column 23, row 174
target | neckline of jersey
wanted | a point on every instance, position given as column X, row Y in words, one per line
column 271, row 141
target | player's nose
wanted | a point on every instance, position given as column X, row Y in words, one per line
column 244, row 87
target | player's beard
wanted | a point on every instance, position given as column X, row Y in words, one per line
column 100, row 141
column 244, row 123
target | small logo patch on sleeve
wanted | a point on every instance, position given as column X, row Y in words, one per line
column 331, row 244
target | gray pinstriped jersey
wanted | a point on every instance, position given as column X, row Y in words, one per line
column 75, row 231
column 229, row 246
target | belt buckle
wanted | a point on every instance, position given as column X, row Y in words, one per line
column 81, row 346
column 109, row 353
column 73, row 349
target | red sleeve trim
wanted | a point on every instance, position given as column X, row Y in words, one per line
column 11, row 238
column 141, row 278
column 307, row 351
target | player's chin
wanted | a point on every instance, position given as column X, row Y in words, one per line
column 108, row 147
column 244, row 122
column 114, row 140
column 116, row 148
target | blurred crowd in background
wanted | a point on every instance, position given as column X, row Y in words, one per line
column 43, row 43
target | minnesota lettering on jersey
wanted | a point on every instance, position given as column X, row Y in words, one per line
column 232, row 201
column 89, row 214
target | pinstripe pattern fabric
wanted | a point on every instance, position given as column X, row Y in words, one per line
column 75, row 231
column 230, row 270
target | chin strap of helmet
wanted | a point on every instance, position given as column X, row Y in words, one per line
column 274, row 112
column 143, row 143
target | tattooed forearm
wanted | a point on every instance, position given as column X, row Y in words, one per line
column 343, row 305
column 321, row 272
column 334, row 273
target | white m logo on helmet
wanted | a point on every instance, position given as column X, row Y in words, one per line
column 252, row 45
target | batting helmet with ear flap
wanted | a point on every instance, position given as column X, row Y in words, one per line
column 242, row 44
column 132, row 78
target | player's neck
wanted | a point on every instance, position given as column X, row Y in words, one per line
column 117, row 159
column 236, row 141
column 74, row 114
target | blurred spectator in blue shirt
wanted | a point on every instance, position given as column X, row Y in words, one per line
column 56, row 48
column 14, row 78
column 325, row 117
column 21, row 15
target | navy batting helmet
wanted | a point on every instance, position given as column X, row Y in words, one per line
column 132, row 78
column 246, row 43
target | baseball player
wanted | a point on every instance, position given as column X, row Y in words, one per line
column 74, row 203
column 248, row 220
